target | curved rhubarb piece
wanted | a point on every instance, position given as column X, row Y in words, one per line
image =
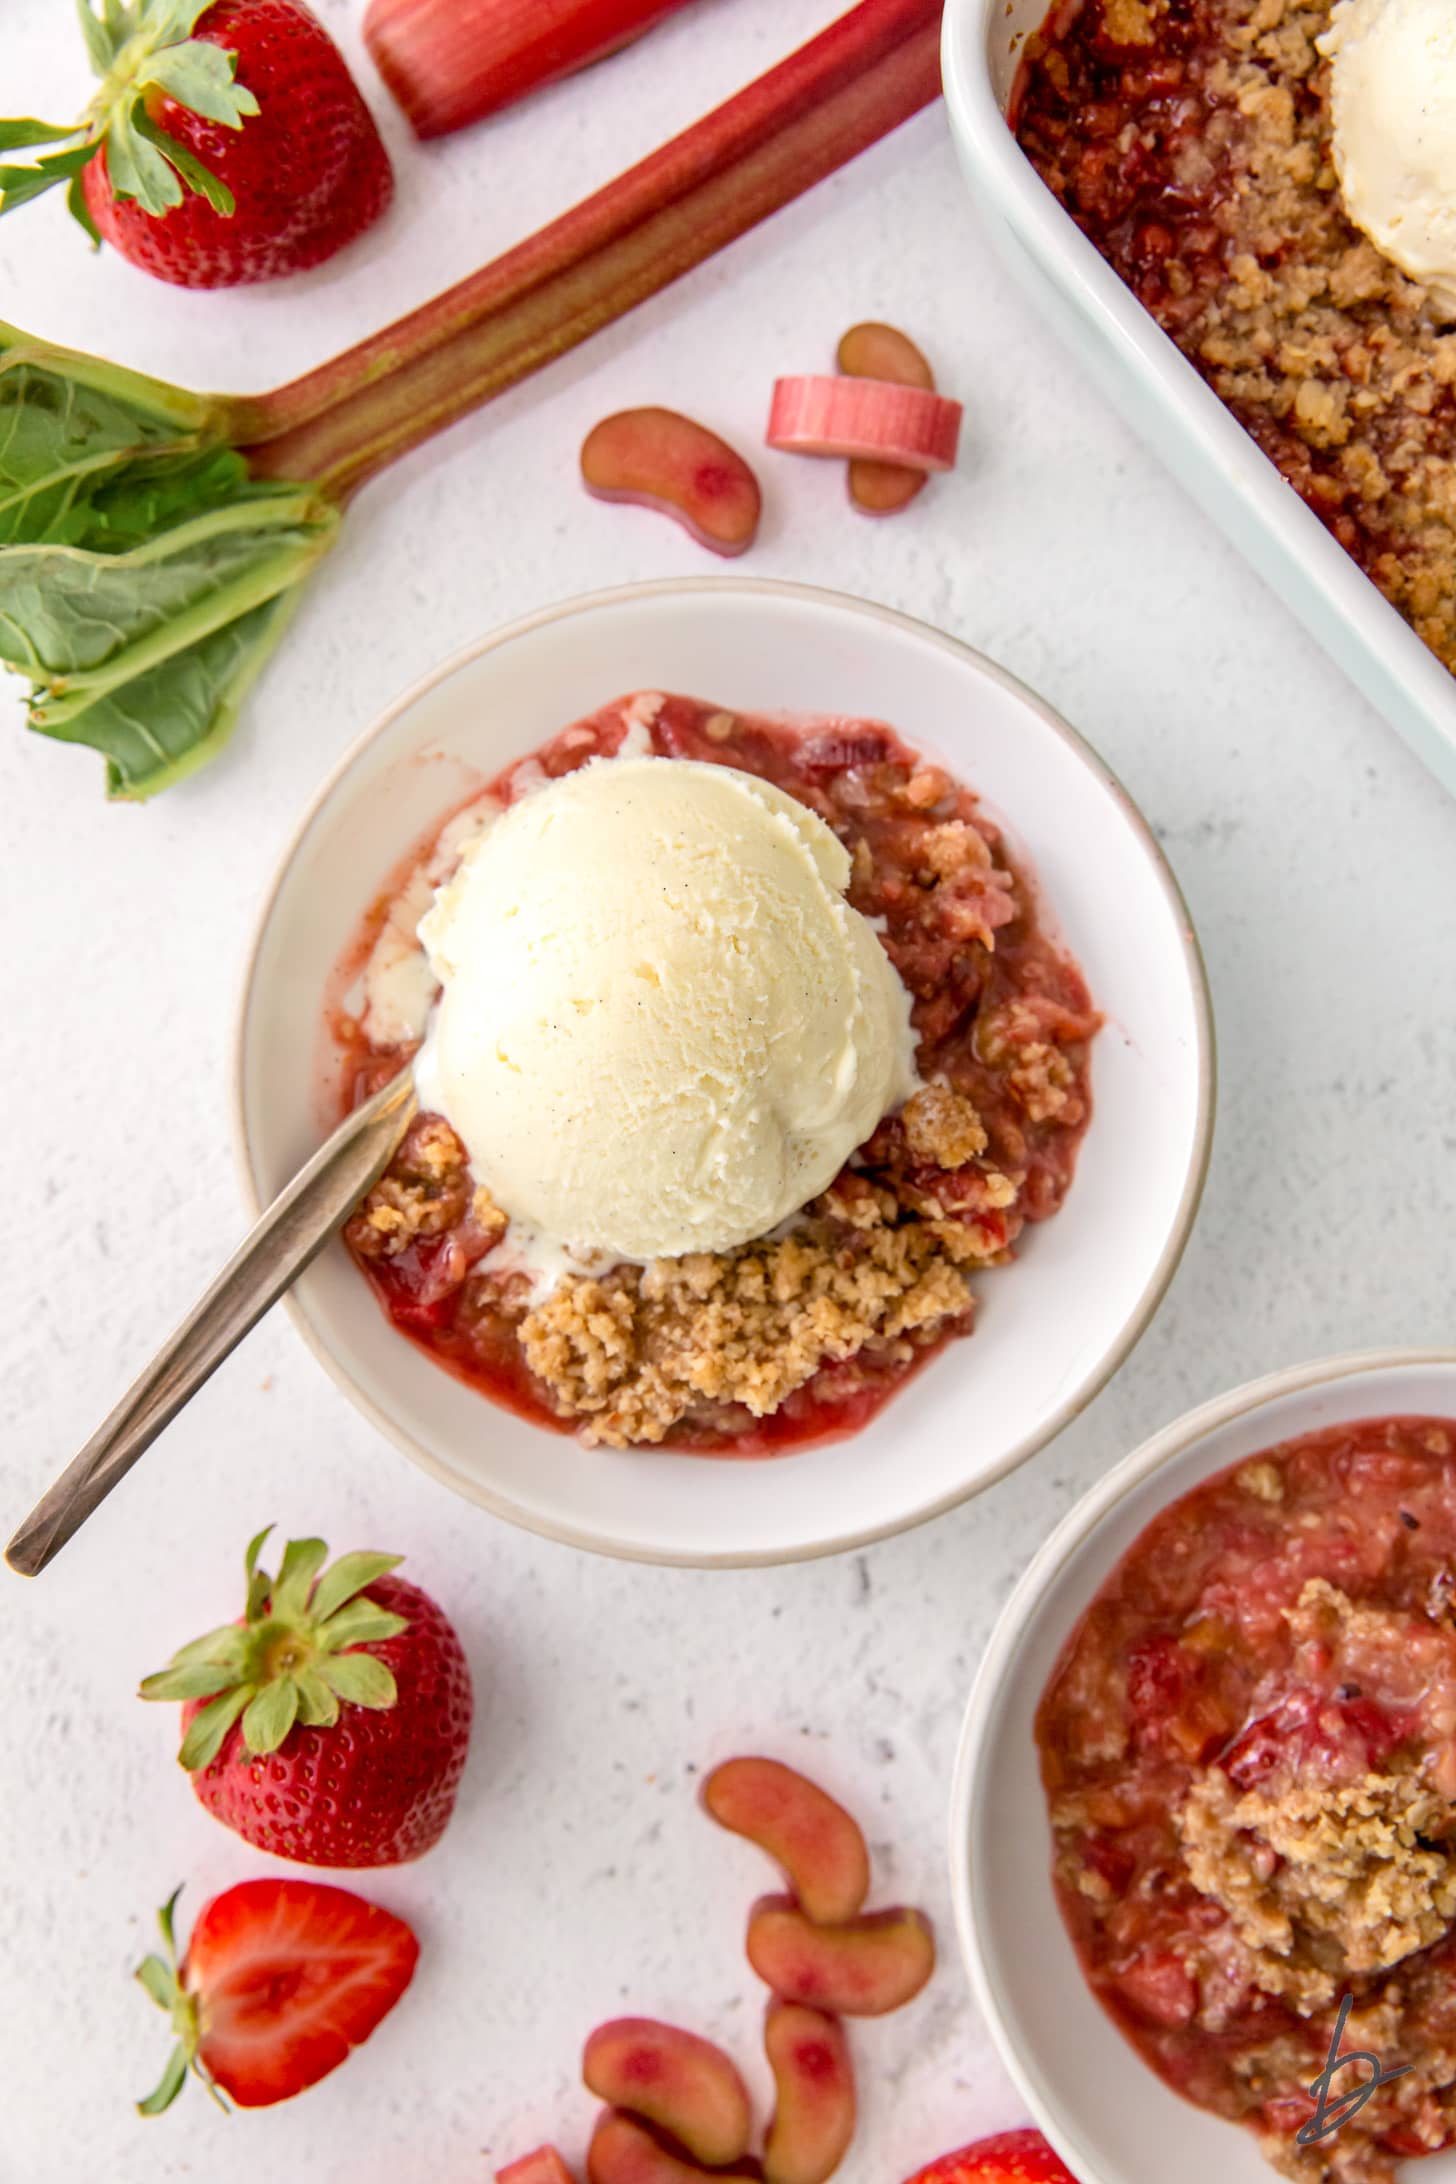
column 624, row 2151
column 876, row 351
column 655, row 458
column 814, row 1839
column 684, row 2085
column 864, row 1968
column 544, row 2166
column 813, row 2120
column 865, row 418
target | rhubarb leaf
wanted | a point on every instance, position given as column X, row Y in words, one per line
column 144, row 574
column 169, row 722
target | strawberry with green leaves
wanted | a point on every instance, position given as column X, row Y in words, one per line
column 331, row 1723
column 227, row 143
column 281, row 1980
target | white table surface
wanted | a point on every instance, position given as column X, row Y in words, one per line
column 578, row 1880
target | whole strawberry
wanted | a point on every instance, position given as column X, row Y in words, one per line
column 331, row 1723
column 227, row 143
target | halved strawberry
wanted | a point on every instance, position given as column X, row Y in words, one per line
column 281, row 1979
column 1013, row 2157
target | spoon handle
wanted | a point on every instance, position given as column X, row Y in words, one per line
column 293, row 1231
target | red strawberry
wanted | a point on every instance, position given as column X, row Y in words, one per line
column 1014, row 2157
column 281, row 1979
column 228, row 142
column 330, row 1724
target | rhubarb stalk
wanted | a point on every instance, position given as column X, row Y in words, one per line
column 195, row 520
column 448, row 65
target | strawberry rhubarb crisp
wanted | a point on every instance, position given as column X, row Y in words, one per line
column 1249, row 1752
column 1193, row 141
column 801, row 1328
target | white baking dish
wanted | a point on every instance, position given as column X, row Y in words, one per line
column 1161, row 394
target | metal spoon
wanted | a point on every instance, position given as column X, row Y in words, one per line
column 293, row 1231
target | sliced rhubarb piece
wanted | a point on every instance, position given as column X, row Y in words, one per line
column 865, row 418
column 448, row 65
column 864, row 1968
column 683, row 2084
column 624, row 2151
column 815, row 1840
column 876, row 351
column 813, row 2120
column 655, row 458
column 883, row 489
column 544, row 2166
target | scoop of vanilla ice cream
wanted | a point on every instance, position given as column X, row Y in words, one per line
column 1393, row 102
column 662, row 1028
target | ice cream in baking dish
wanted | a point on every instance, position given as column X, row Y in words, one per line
column 1393, row 104
column 686, row 994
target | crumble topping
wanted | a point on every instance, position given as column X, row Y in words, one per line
column 1193, row 143
column 1322, row 1880
column 637, row 1350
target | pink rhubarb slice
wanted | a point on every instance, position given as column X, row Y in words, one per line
column 864, row 1968
column 818, row 1844
column 624, row 2151
column 677, row 2081
column 813, row 2120
column 544, row 2166
column 867, row 419
column 876, row 351
column 655, row 458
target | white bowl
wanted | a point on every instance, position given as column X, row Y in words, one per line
column 1109, row 2117
column 1053, row 1327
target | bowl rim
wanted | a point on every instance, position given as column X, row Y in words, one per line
column 813, row 596
column 1036, row 1583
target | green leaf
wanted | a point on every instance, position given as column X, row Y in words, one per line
column 255, row 1547
column 302, row 1561
column 16, row 135
column 173, row 720
column 222, row 1648
column 80, row 211
column 270, row 1716
column 198, row 1680
column 209, row 1726
column 173, row 2078
column 201, row 77
column 167, row 1921
column 160, row 1981
column 349, row 1575
column 359, row 1678
column 18, row 185
column 317, row 1706
column 361, row 1623
column 198, row 178
column 135, row 168
column 145, row 577
column 99, row 45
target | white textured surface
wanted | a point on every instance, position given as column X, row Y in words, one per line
column 577, row 1879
